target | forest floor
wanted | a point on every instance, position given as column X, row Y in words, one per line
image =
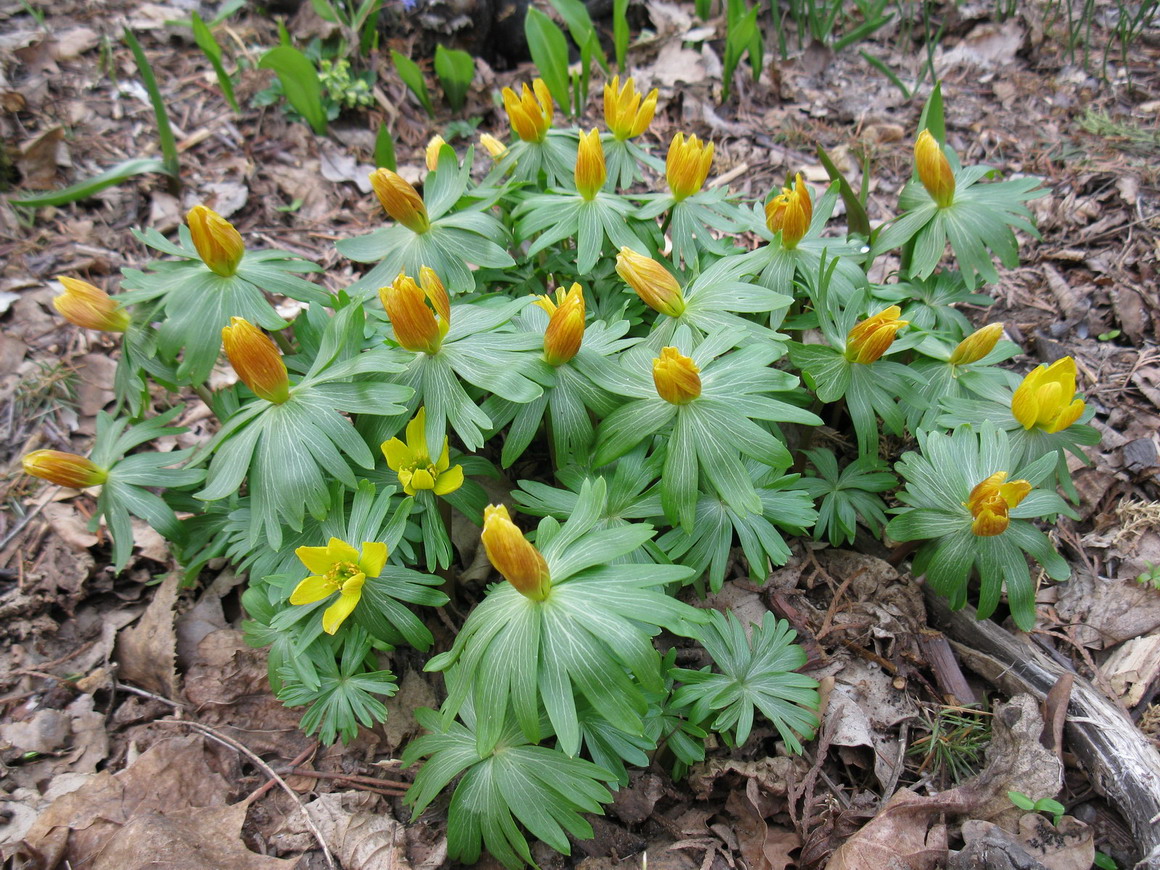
column 136, row 726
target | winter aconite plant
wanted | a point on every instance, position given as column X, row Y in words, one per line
column 650, row 360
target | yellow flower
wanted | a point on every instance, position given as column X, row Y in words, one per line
column 624, row 113
column 400, row 200
column 990, row 502
column 1046, row 398
column 790, row 212
column 413, row 311
column 565, row 330
column 64, row 469
column 687, row 165
column 653, row 283
column 432, row 154
column 530, row 114
column 868, row 340
column 677, row 378
column 89, row 307
column 257, row 360
column 338, row 567
column 218, row 244
column 494, row 147
column 977, row 345
column 934, row 170
column 412, row 461
column 590, row 171
column 513, row 555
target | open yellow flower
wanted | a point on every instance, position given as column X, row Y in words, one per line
column 868, row 340
column 590, row 169
column 64, row 469
column 413, row 310
column 624, row 113
column 513, row 555
column 257, row 360
column 412, row 461
column 338, row 567
column 400, row 200
column 790, row 212
column 218, row 243
column 1046, row 398
column 991, row 501
column 676, row 376
column 89, row 307
column 653, row 283
column 565, row 332
column 934, row 170
column 530, row 113
column 687, row 165
column 977, row 345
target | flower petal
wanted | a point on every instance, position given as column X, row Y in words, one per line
column 317, row 560
column 397, row 454
column 417, row 438
column 422, row 479
column 374, row 557
column 341, row 551
column 340, row 610
column 312, row 589
column 450, row 480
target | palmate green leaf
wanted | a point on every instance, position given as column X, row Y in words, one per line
column 555, row 157
column 847, row 496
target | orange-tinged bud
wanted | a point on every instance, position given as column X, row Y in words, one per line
column 590, row 171
column 977, row 345
column 1046, row 398
column 687, row 165
column 89, row 307
column 790, row 212
column 868, row 340
column 257, row 360
column 991, row 501
column 218, row 244
column 530, row 113
column 400, row 200
column 494, row 147
column 565, row 330
column 64, row 469
column 653, row 283
column 434, row 290
column 677, row 378
column 412, row 318
column 513, row 555
column 934, row 170
column 624, row 113
column 432, row 153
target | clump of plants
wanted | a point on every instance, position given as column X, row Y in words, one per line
column 658, row 382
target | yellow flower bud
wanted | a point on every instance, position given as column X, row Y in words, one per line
column 432, row 154
column 977, row 345
column 871, row 338
column 687, row 165
column 494, row 147
column 257, row 360
column 412, row 318
column 624, row 113
column 218, row 244
column 1046, row 398
column 516, row 558
column 934, row 170
column 790, row 212
column 653, row 283
column 590, row 171
column 64, row 469
column 530, row 114
column 991, row 501
column 89, row 307
column 400, row 200
column 434, row 290
column 677, row 378
column 565, row 330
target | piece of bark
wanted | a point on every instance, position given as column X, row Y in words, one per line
column 1122, row 765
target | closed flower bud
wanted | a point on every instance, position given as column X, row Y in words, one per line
column 494, row 147
column 218, row 244
column 412, row 318
column 432, row 154
column 565, row 330
column 530, row 113
column 871, row 338
column 687, row 165
column 1046, row 398
column 64, row 469
column 257, row 360
column 434, row 290
column 89, row 307
column 934, row 170
column 590, row 171
column 653, row 283
column 624, row 113
column 400, row 200
column 977, row 345
column 790, row 213
column 677, row 378
column 516, row 558
column 991, row 501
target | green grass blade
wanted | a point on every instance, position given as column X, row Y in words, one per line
column 856, row 217
column 385, row 149
column 886, row 71
column 412, row 77
column 90, row 186
column 204, row 38
column 165, row 136
column 299, row 82
column 620, row 31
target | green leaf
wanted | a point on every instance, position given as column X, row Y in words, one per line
column 932, row 115
column 575, row 15
column 412, row 77
column 165, row 137
column 92, row 186
column 299, row 82
column 620, row 33
column 385, row 149
column 205, row 40
column 455, row 70
column 856, row 217
column 549, row 51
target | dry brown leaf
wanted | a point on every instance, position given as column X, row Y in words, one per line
column 415, row 691
column 39, row 159
column 1068, row 846
column 360, row 831
column 147, row 651
column 67, row 522
column 900, row 837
